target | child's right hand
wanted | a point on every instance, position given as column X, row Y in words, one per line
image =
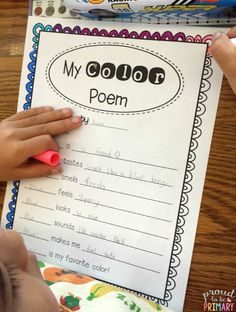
column 29, row 133
column 224, row 53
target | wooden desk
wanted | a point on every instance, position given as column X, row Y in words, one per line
column 214, row 258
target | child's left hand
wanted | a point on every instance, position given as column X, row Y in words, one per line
column 224, row 53
column 29, row 133
column 22, row 287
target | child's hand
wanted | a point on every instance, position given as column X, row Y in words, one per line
column 22, row 285
column 29, row 133
column 224, row 53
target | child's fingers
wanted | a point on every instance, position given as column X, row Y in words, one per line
column 37, row 145
column 224, row 53
column 29, row 112
column 12, row 245
column 35, row 170
column 52, row 128
column 232, row 32
column 44, row 118
column 32, row 267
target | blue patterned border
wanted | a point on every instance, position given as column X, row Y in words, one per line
column 12, row 205
column 196, row 131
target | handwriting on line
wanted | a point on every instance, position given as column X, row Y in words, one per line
column 36, row 205
column 96, row 203
column 34, row 236
column 125, row 245
column 121, row 226
column 127, row 194
column 127, row 177
column 122, row 159
column 36, row 221
column 32, row 188
column 99, row 124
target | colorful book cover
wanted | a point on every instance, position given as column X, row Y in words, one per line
column 185, row 10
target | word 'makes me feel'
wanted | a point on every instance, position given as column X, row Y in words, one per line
column 107, row 71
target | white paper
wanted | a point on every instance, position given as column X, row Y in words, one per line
column 125, row 208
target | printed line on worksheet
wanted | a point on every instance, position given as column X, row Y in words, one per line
column 37, row 253
column 109, row 127
column 36, row 221
column 122, row 261
column 41, row 191
column 30, row 204
column 34, row 236
column 53, row 178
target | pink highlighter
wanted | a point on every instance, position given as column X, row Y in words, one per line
column 49, row 157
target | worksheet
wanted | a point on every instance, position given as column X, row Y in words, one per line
column 125, row 208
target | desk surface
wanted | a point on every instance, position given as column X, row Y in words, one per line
column 213, row 264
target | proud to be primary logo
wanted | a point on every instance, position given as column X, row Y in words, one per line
column 219, row 300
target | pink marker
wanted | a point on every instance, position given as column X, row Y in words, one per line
column 49, row 157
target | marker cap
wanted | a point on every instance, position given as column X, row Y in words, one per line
column 49, row 157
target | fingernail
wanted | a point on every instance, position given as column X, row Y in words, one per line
column 216, row 35
column 57, row 170
column 76, row 120
column 66, row 111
